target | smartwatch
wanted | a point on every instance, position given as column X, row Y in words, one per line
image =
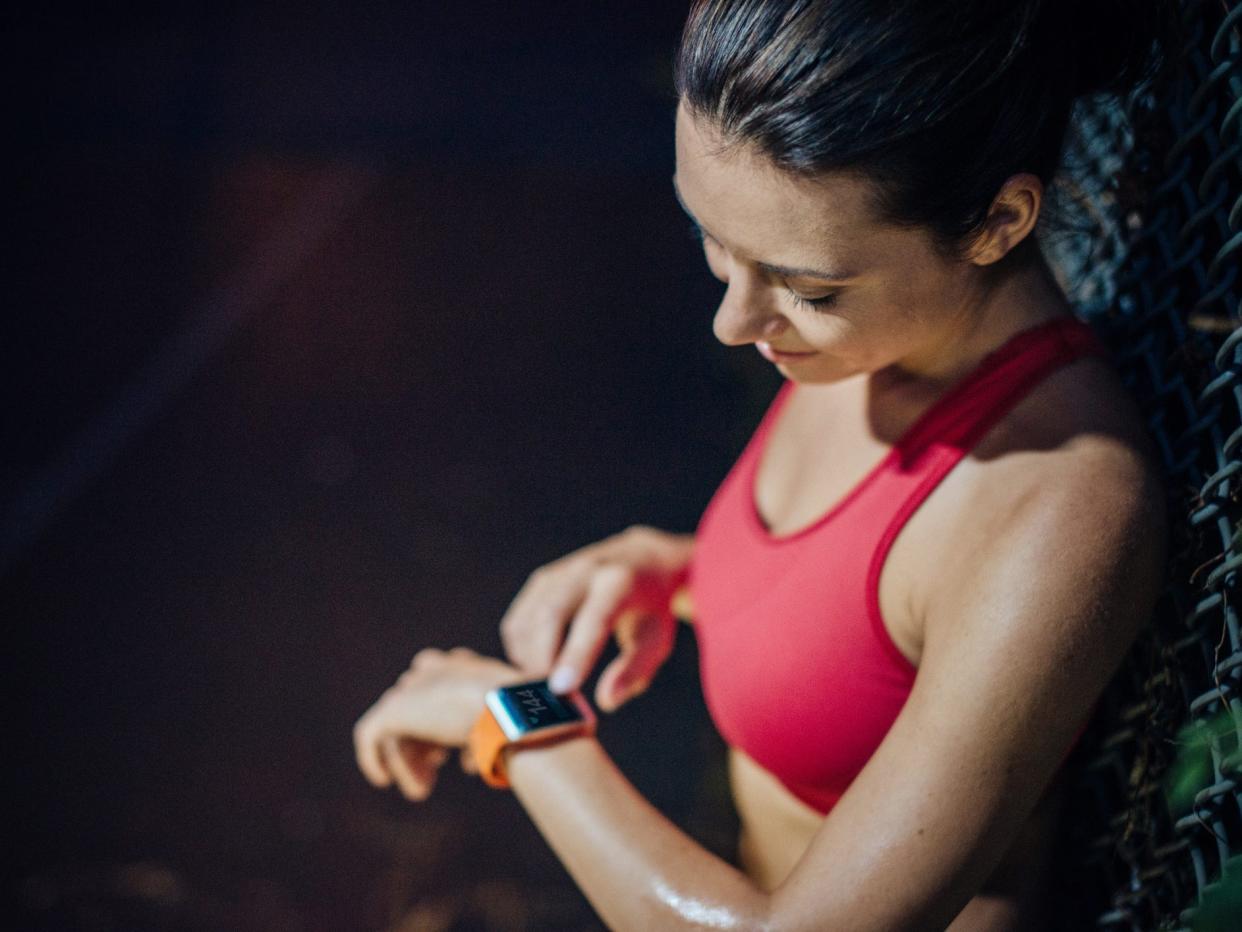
column 524, row 715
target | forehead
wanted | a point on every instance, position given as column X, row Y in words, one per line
column 739, row 190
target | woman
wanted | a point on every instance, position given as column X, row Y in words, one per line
column 918, row 578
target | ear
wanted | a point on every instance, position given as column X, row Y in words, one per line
column 1011, row 218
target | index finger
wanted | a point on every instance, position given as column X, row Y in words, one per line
column 534, row 626
column 590, row 628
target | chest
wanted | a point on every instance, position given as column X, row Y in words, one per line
column 822, row 450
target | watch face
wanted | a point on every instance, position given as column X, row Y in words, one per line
column 527, row 707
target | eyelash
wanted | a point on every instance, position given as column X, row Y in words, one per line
column 813, row 304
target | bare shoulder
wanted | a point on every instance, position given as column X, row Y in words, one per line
column 1070, row 465
column 1077, row 436
column 1085, row 398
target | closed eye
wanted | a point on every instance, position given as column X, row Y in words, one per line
column 821, row 303
column 815, row 304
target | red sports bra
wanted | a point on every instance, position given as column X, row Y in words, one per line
column 798, row 670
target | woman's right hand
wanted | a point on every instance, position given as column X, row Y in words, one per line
column 621, row 586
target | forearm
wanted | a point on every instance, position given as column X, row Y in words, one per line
column 635, row 866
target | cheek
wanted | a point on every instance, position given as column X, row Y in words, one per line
column 860, row 334
column 835, row 335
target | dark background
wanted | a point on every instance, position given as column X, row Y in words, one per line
column 326, row 326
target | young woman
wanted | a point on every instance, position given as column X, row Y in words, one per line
column 917, row 579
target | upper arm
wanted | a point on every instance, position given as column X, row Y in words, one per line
column 1016, row 652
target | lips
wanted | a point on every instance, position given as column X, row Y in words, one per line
column 772, row 354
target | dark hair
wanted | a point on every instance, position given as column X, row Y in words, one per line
column 936, row 102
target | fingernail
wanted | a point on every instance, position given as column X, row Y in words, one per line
column 562, row 678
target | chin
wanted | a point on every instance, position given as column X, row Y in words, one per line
column 821, row 374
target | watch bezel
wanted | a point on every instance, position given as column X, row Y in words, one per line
column 517, row 731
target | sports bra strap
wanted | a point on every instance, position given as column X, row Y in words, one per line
column 960, row 417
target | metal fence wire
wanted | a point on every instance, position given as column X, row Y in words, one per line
column 1151, row 205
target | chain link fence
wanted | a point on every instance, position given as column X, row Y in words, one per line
column 1148, row 249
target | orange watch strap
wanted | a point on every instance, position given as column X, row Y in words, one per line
column 485, row 743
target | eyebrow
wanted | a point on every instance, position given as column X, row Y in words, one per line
column 784, row 271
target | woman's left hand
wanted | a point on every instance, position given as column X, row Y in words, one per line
column 406, row 735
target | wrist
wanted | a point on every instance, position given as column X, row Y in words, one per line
column 521, row 715
column 530, row 757
column 502, row 675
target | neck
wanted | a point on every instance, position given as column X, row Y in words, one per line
column 1008, row 301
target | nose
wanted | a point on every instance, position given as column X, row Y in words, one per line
column 746, row 313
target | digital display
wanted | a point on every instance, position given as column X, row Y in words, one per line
column 529, row 706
